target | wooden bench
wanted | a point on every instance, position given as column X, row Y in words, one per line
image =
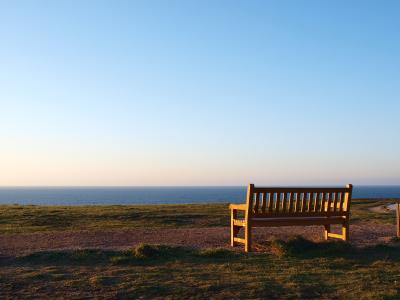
column 291, row 206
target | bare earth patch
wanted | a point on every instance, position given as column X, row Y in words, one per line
column 362, row 234
column 383, row 208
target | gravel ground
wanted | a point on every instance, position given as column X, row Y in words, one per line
column 361, row 234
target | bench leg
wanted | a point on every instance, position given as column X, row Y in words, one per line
column 234, row 233
column 327, row 231
column 247, row 237
column 346, row 231
column 234, row 229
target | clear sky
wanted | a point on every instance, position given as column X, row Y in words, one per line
column 199, row 92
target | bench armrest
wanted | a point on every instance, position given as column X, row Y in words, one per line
column 238, row 206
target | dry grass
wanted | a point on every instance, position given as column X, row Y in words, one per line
column 156, row 271
column 32, row 218
column 292, row 269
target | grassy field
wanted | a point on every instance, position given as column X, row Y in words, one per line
column 295, row 269
column 30, row 218
column 25, row 219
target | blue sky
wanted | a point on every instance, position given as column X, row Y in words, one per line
column 199, row 92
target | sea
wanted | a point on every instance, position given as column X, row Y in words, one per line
column 152, row 195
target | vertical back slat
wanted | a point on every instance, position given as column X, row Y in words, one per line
column 270, row 202
column 256, row 203
column 341, row 201
column 277, row 202
column 291, row 202
column 310, row 202
column 298, row 202
column 329, row 199
column 335, row 201
column 303, row 201
column 295, row 204
column 264, row 202
column 284, row 202
column 317, row 200
column 323, row 201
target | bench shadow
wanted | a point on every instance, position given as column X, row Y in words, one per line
column 299, row 247
column 145, row 254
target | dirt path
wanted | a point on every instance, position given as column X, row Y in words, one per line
column 384, row 209
column 18, row 244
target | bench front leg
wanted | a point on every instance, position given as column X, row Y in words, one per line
column 346, row 230
column 327, row 231
column 236, row 224
column 234, row 229
column 247, row 237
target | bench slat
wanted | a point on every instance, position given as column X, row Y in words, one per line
column 310, row 201
column 335, row 201
column 341, row 201
column 238, row 222
column 329, row 199
column 257, row 202
column 335, row 235
column 239, row 240
column 284, row 202
column 270, row 201
column 313, row 201
column 264, row 202
column 303, row 201
column 299, row 214
column 296, row 202
column 291, row 201
column 277, row 202
column 296, row 222
column 323, row 199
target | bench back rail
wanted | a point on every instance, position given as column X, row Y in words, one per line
column 301, row 202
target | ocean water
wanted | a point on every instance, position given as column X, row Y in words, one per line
column 151, row 195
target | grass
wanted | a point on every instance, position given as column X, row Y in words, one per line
column 31, row 218
column 292, row 269
column 156, row 271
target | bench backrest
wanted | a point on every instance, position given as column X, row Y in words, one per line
column 298, row 201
